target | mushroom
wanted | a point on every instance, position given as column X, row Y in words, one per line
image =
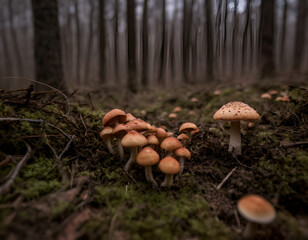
column 119, row 132
column 183, row 153
column 114, row 117
column 256, row 210
column 188, row 127
column 170, row 144
column 235, row 112
column 273, row 92
column 172, row 115
column 177, row 109
column 129, row 117
column 148, row 157
column 160, row 133
column 169, row 166
column 106, row 134
column 152, row 140
column 133, row 140
column 266, row 96
column 183, row 138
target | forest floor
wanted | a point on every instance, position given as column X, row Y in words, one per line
column 70, row 187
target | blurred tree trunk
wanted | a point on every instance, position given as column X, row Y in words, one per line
column 300, row 35
column 14, row 39
column 162, row 65
column 172, row 44
column 78, row 41
column 283, row 34
column 47, row 44
column 209, row 40
column 4, row 44
column 245, row 37
column 116, row 34
column 145, row 80
column 90, row 40
column 102, row 42
column 267, row 39
column 234, row 36
column 218, row 35
column 225, row 53
column 131, row 45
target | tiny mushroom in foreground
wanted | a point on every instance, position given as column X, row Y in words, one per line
column 146, row 158
column 169, row 166
column 235, row 112
column 106, row 134
column 133, row 140
column 256, row 210
column 183, row 153
column 114, row 117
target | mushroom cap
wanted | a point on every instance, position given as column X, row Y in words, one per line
column 107, row 131
column 183, row 136
column 170, row 144
column 236, row 111
column 133, row 139
column 188, row 127
column 129, row 117
column 115, row 115
column 161, row 133
column 256, row 209
column 194, row 99
column 283, row 99
column 138, row 125
column 266, row 96
column 273, row 92
column 170, row 134
column 172, row 115
column 183, row 152
column 147, row 157
column 120, row 129
column 169, row 165
column 152, row 139
column 177, row 109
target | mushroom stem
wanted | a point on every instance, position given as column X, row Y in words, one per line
column 182, row 166
column 168, row 181
column 108, row 142
column 120, row 149
column 149, row 175
column 132, row 158
column 235, row 138
column 250, row 230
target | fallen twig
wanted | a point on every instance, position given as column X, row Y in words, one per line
column 7, row 159
column 225, row 179
column 36, row 121
column 5, row 188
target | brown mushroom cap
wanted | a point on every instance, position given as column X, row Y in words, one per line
column 121, row 129
column 147, row 157
column 133, row 139
column 177, row 109
column 194, row 99
column 266, row 96
column 169, row 165
column 129, row 117
column 107, row 131
column 152, row 139
column 115, row 115
column 273, row 92
column 172, row 115
column 170, row 144
column 256, row 209
column 161, row 133
column 138, row 125
column 183, row 152
column 236, row 111
column 183, row 136
column 188, row 127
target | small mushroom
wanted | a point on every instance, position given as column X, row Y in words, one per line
column 187, row 128
column 183, row 153
column 133, row 140
column 256, row 210
column 119, row 132
column 169, row 166
column 146, row 158
column 266, row 96
column 177, row 109
column 235, row 112
column 170, row 144
column 114, row 117
column 106, row 135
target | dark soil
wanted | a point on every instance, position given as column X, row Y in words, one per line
column 71, row 187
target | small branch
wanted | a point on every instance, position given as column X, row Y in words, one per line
column 36, row 121
column 5, row 188
column 7, row 159
column 292, row 144
column 130, row 176
column 225, row 179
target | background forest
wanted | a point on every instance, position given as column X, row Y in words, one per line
column 140, row 43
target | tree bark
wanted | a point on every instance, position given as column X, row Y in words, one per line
column 90, row 41
column 78, row 41
column 145, row 80
column 300, row 35
column 4, row 43
column 283, row 34
column 234, row 36
column 47, row 44
column 131, row 45
column 116, row 34
column 245, row 36
column 209, row 39
column 267, row 39
column 163, row 45
column 102, row 42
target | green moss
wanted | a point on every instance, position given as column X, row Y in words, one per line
column 40, row 168
column 87, row 174
column 60, row 208
column 5, row 110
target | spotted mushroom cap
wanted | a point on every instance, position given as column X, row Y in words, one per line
column 170, row 144
column 147, row 157
column 169, row 165
column 236, row 111
column 256, row 209
column 133, row 139
column 115, row 115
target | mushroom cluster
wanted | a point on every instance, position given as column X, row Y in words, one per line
column 148, row 144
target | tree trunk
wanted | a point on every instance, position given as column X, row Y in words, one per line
column 209, row 40
column 131, row 45
column 116, row 34
column 47, row 44
column 283, row 34
column 4, row 43
column 90, row 41
column 14, row 39
column 245, row 37
column 267, row 39
column 234, row 36
column 102, row 42
column 162, row 65
column 145, row 80
column 300, row 35
column 78, row 41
